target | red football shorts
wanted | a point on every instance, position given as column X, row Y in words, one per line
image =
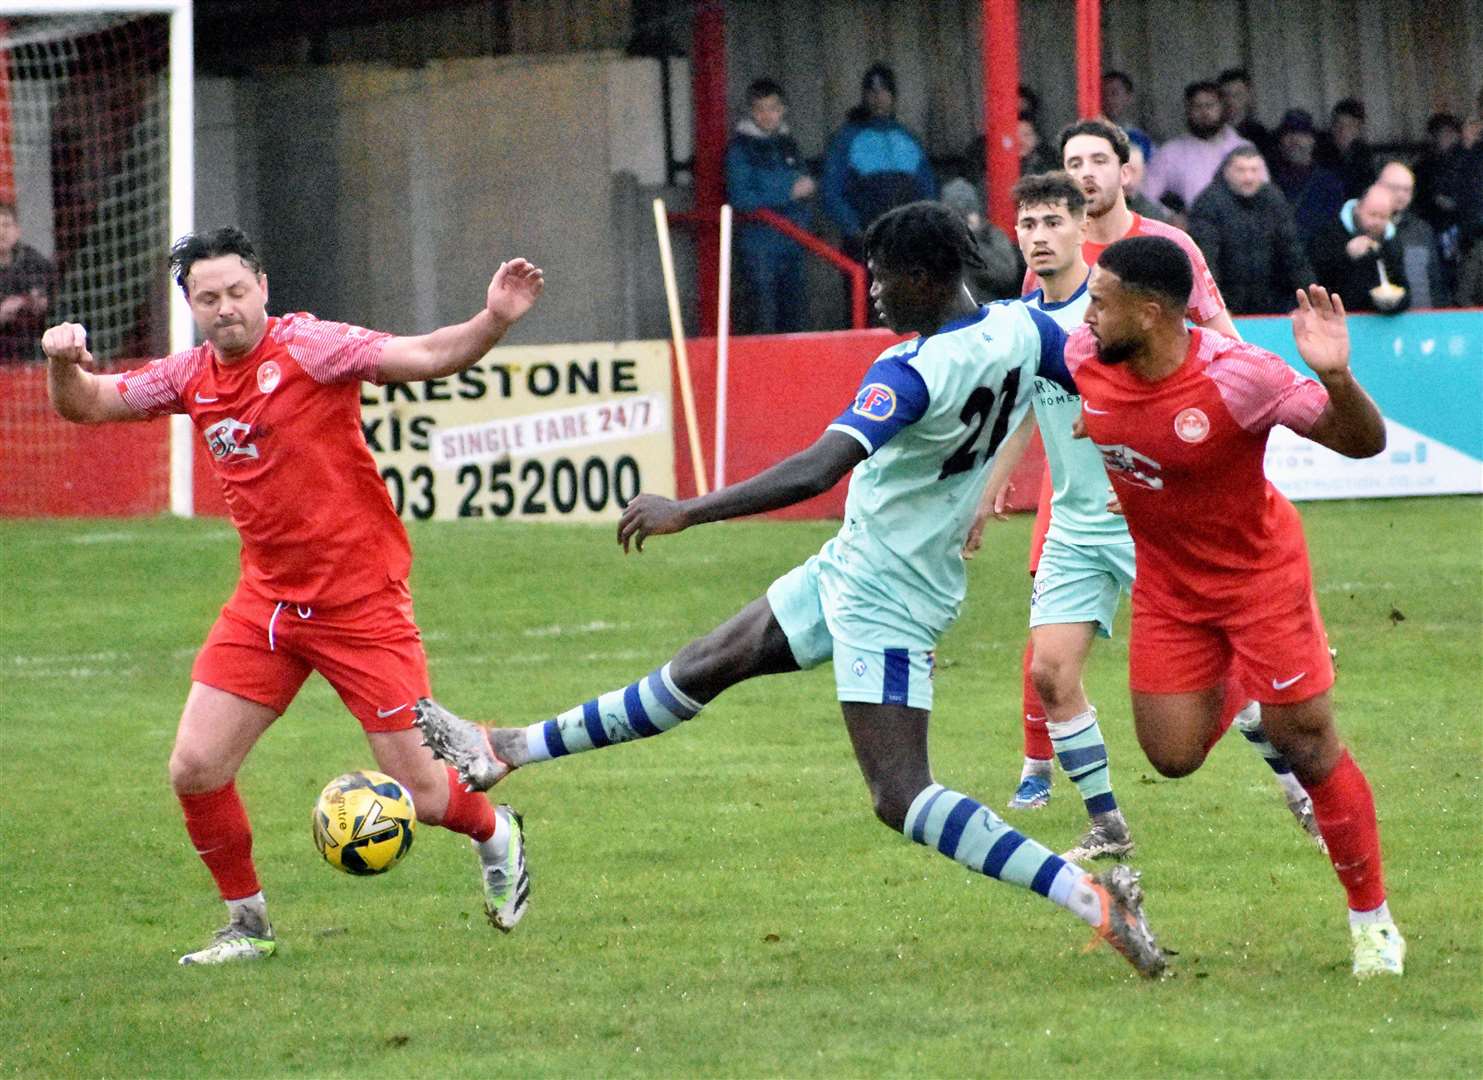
column 369, row 650
column 1278, row 645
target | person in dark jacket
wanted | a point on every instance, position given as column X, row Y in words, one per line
column 1314, row 193
column 1348, row 252
column 27, row 278
column 1247, row 232
column 874, row 163
column 764, row 171
column 1345, row 149
column 1002, row 269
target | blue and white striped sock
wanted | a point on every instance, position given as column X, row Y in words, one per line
column 1083, row 755
column 1249, row 720
column 970, row 833
column 650, row 706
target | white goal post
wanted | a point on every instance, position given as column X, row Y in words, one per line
column 55, row 15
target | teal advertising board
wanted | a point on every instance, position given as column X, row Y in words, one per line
column 1425, row 371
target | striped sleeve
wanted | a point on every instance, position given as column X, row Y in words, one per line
column 158, row 387
column 1261, row 391
column 332, row 352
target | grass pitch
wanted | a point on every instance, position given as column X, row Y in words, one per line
column 719, row 901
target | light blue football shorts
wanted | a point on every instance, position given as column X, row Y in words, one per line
column 1078, row 583
column 876, row 672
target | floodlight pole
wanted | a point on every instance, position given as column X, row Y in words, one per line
column 1000, row 56
column 708, row 89
column 1088, row 58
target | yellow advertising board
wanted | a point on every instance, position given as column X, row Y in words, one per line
column 536, row 433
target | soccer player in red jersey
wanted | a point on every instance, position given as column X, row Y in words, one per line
column 1181, row 417
column 1096, row 155
column 325, row 559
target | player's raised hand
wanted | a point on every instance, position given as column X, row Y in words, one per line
column 67, row 343
column 514, row 289
column 1320, row 331
column 649, row 515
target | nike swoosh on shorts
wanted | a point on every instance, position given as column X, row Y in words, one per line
column 384, row 713
column 1288, row 682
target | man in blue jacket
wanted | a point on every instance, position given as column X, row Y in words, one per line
column 764, row 171
column 874, row 162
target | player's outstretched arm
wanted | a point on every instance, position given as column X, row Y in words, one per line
column 806, row 474
column 513, row 291
column 1350, row 423
column 77, row 394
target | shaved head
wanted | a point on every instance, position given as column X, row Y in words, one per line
column 1400, row 182
column 1374, row 211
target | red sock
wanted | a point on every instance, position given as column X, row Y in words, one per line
column 1345, row 810
column 218, row 827
column 1037, row 737
column 469, row 812
column 1236, row 699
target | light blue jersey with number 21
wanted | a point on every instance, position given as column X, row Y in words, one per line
column 931, row 412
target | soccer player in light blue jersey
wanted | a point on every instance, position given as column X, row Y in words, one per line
column 1088, row 558
column 1088, row 555
column 919, row 438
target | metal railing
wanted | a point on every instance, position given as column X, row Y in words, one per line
column 859, row 312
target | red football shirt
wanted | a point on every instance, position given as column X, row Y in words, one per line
column 1205, row 301
column 282, row 427
column 1185, row 455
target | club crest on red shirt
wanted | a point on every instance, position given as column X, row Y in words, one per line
column 1192, row 425
column 267, row 376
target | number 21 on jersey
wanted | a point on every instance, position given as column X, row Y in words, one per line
column 975, row 416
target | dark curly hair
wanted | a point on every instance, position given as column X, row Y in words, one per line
column 193, row 247
column 1102, row 129
column 1047, row 189
column 926, row 236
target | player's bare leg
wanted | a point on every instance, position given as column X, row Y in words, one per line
column 1060, row 652
column 1181, row 743
column 1248, row 721
column 1176, row 731
column 441, row 799
column 217, row 731
column 402, row 756
column 1345, row 809
column 749, row 644
column 890, row 743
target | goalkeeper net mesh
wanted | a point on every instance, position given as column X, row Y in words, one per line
column 84, row 159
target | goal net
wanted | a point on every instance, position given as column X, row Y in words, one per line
column 86, row 126
column 86, row 165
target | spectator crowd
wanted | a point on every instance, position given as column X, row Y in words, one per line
column 1273, row 208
